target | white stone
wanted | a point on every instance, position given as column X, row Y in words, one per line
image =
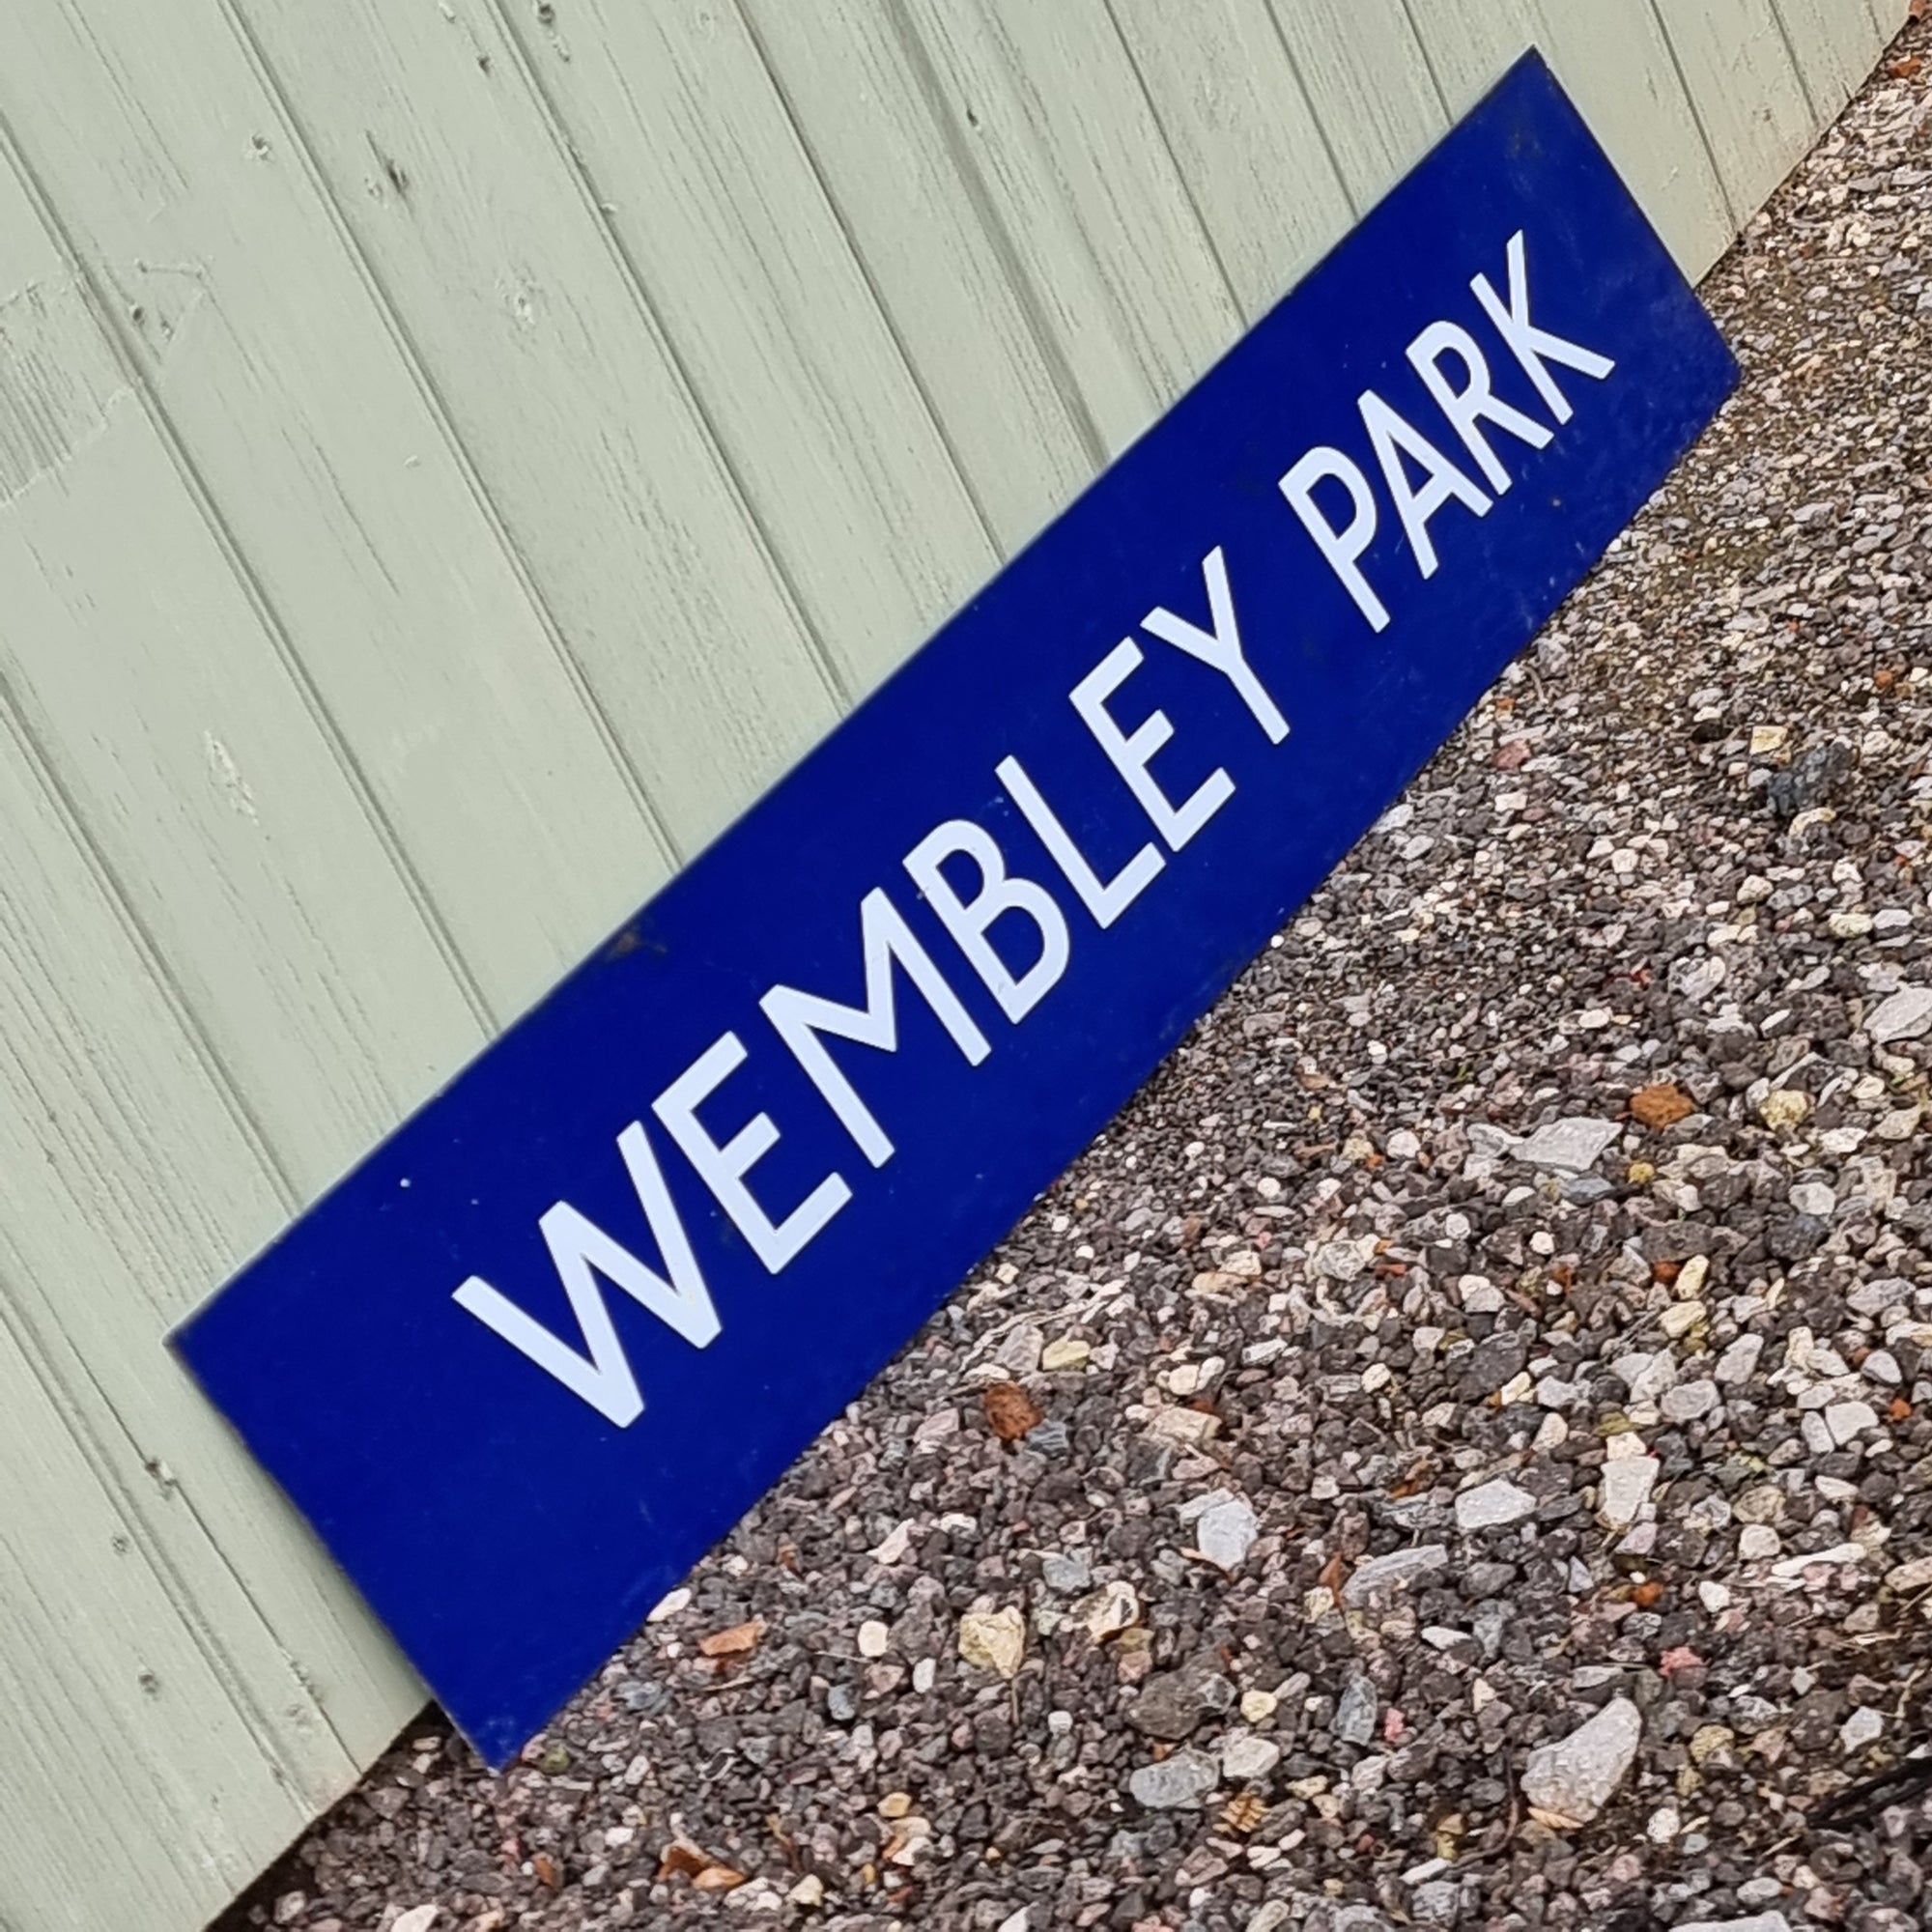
column 1493, row 1506
column 667, row 1608
column 1814, row 1197
column 1625, row 1488
column 1906, row 1015
column 1862, row 1727
column 874, row 1638
column 1715, row 1597
column 1736, row 1364
column 1571, row 1146
column 417, row 1918
column 1849, row 1420
column 1382, row 1578
column 1175, row 1784
column 1690, row 1402
column 1246, row 1759
column 993, row 1640
column 1554, row 1433
column 925, row 1674
column 1882, row 1366
column 1899, row 1124
column 1479, row 1295
column 1757, row 1541
column 1402, row 1145
column 1226, row 1533
column 1763, row 1921
column 1577, row 1776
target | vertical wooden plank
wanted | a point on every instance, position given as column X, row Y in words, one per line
column 131, row 1191
column 1834, row 44
column 200, row 772
column 1076, row 167
column 892, row 157
column 250, row 321
column 478, row 227
column 135, row 1791
column 1232, row 109
column 714, row 203
column 1617, row 66
column 1370, row 85
column 1749, row 97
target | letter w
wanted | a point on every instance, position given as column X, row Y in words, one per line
column 799, row 1018
column 580, row 1250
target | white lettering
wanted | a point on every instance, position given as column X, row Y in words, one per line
column 1531, row 345
column 800, row 1018
column 1130, row 752
column 969, row 920
column 579, row 1251
column 1394, row 438
column 1220, row 649
column 1105, row 898
column 1344, row 548
column 1468, row 408
column 722, row 1168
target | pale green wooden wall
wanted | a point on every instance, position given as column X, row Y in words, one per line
column 450, row 461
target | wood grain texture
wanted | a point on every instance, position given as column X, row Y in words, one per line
column 1243, row 135
column 1073, row 165
column 689, row 150
column 895, row 159
column 1834, row 44
column 478, row 226
column 1618, row 67
column 1750, row 100
column 135, row 1790
column 1366, row 73
column 250, row 322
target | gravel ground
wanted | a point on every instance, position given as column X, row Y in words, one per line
column 1468, row 1417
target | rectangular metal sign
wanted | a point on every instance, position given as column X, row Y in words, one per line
column 547, row 1343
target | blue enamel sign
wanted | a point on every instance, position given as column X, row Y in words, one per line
column 547, row 1343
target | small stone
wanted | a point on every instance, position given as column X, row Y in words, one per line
column 663, row 1611
column 1900, row 1124
column 1402, row 1145
column 417, row 1918
column 1627, row 1485
column 1737, row 1363
column 1784, row 1108
column 1882, row 1366
column 993, row 1640
column 1226, row 1533
column 1862, row 1727
column 1814, row 1197
column 1574, row 1779
column 874, row 1638
column 1172, row 1703
column 1906, row 1015
column 1764, row 1921
column 1356, row 1712
column 1690, row 1402
column 1908, row 1576
column 924, row 1675
column 808, row 1893
column 1495, row 1505
column 1384, row 1578
column 1112, row 1608
column 1257, row 1706
column 1068, row 1351
column 1766, row 739
column 1873, row 1298
column 1176, row 1783
column 1715, row 1597
column 1065, row 1573
column 1849, row 1420
column 1756, row 1541
column 1680, row 1318
column 1569, row 1145
column 1247, row 1759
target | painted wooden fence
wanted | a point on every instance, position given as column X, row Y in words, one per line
column 453, row 455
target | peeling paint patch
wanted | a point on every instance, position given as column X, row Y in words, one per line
column 227, row 775
column 57, row 383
